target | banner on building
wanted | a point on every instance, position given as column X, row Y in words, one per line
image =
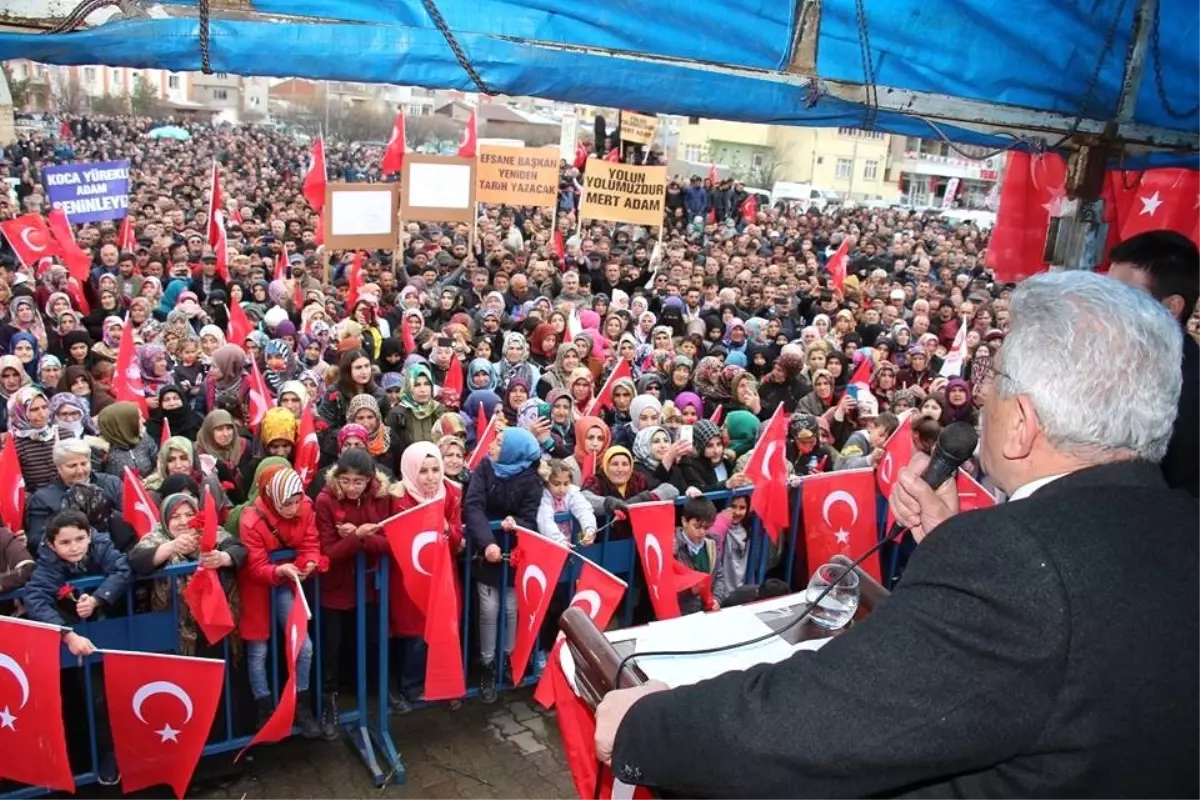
column 569, row 137
column 623, row 193
column 519, row 176
column 89, row 192
column 638, row 128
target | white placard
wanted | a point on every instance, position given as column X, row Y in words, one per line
column 361, row 213
column 568, row 137
column 438, row 185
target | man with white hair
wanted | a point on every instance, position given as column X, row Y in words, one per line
column 1044, row 647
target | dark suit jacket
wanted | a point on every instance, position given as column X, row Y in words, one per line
column 1181, row 466
column 1043, row 648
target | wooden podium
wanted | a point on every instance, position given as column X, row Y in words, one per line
column 596, row 659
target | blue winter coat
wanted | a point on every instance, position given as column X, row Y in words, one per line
column 51, row 572
column 489, row 498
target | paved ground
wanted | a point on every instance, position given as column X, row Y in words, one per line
column 510, row 749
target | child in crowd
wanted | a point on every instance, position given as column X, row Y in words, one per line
column 696, row 549
column 561, row 496
column 864, row 448
column 189, row 369
column 733, row 545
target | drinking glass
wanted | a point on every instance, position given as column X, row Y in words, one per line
column 835, row 609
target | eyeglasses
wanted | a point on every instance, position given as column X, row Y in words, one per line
column 989, row 373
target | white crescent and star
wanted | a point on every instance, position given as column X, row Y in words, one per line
column 25, row 240
column 1150, row 204
column 885, row 469
column 9, row 664
column 532, row 573
column 768, row 453
column 166, row 733
column 591, row 598
column 418, row 544
column 651, row 543
column 835, row 497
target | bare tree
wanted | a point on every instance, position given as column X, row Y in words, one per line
column 542, row 136
column 110, row 105
column 68, row 95
column 306, row 113
column 144, row 99
column 19, row 89
column 432, row 130
column 360, row 122
column 769, row 170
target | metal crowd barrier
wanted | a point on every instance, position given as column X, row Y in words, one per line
column 366, row 723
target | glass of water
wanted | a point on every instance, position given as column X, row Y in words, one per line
column 835, row 609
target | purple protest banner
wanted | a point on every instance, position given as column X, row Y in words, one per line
column 89, row 192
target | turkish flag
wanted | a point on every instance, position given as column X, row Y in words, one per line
column 839, row 517
column 406, row 337
column 30, row 238
column 408, row 534
column 484, row 442
column 166, row 433
column 862, row 373
column 78, row 262
column 581, row 155
column 161, row 709
column 604, row 399
column 319, row 232
column 540, row 562
column 1033, row 189
column 481, row 421
column 767, row 468
column 1163, row 199
column 316, row 178
column 221, row 248
column 308, row 452
column 235, row 216
column 588, row 468
column 897, row 452
column 204, row 595
column 469, row 139
column 125, row 239
column 454, row 376
column 717, row 415
column 281, row 266
column 444, row 678
column 713, row 176
column 560, row 248
column 354, row 280
column 956, row 359
column 127, row 376
column 12, row 502
column 838, row 264
column 260, row 396
column 32, row 736
column 216, row 204
column 613, row 155
column 971, row 494
column 750, row 209
column 687, row 579
column 654, row 531
column 279, row 725
column 139, row 510
column 393, row 156
column 239, row 325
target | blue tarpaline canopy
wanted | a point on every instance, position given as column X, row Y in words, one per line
column 891, row 65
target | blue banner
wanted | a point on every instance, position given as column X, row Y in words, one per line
column 89, row 192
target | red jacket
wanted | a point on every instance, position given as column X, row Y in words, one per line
column 376, row 504
column 404, row 618
column 263, row 532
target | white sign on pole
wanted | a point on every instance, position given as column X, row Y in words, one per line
column 569, row 136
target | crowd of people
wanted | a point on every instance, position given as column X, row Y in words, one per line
column 726, row 316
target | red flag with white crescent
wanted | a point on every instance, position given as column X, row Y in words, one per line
column 221, row 248
column 838, row 264
column 204, row 594
column 161, row 709
column 78, row 262
column 839, row 517
column 308, row 451
column 127, row 375
column 125, row 239
column 409, row 533
column 897, row 452
column 12, row 502
column 239, row 325
column 393, row 156
column 654, row 531
column 316, row 178
column 468, row 141
column 767, row 468
column 260, row 396
column 139, row 510
column 484, row 443
column 454, row 376
column 30, row 238
column 1165, row 199
column 971, row 493
column 295, row 632
column 444, row 676
column 32, row 733
column 539, row 564
column 1033, row 190
column 604, row 398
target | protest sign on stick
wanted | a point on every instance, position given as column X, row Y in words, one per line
column 89, row 192
column 519, row 176
column 361, row 216
column 638, row 128
column 616, row 192
column 438, row 189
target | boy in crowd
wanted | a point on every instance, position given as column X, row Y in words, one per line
column 865, row 446
column 696, row 549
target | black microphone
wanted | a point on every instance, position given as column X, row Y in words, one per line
column 955, row 445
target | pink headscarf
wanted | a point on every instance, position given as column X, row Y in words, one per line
column 589, row 320
column 410, row 468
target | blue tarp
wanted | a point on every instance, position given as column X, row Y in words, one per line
column 1037, row 54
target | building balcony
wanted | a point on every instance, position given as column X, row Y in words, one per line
column 917, row 163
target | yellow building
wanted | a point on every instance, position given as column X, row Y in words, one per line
column 854, row 163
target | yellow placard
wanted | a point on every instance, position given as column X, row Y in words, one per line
column 623, row 193
column 638, row 128
column 519, row 176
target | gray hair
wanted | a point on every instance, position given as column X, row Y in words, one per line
column 1099, row 361
column 66, row 449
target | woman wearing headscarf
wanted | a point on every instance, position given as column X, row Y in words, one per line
column 506, row 485
column 592, row 439
column 515, row 394
column 707, row 380
column 417, row 411
column 620, row 412
column 657, row 458
column 355, row 498
column 645, row 410
column 710, row 466
column 77, row 349
column 226, row 386
column 482, row 375
column 24, row 317
column 70, row 414
column 174, row 541
column 581, row 384
column 110, row 340
column 616, row 485
column 743, row 389
column 562, row 423
column 79, row 382
column 543, row 346
column 282, row 518
column 740, row 429
column 24, row 347
column 960, row 406
column 514, row 362
column 34, row 435
column 422, row 479
column 821, row 399
column 783, row 385
column 679, row 377
column 49, row 374
column 233, row 521
column 234, row 455
column 178, row 457
column 155, row 366
column 121, row 427
column 558, row 374
column 174, row 413
column 381, row 444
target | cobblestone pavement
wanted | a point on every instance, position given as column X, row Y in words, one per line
column 509, row 749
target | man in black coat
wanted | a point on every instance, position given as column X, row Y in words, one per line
column 1046, row 647
column 1167, row 265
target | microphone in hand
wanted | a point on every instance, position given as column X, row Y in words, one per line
column 926, row 494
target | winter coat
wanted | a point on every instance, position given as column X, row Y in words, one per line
column 143, row 457
column 377, row 503
column 333, row 405
column 16, row 565
column 263, row 532
column 733, row 552
column 404, row 618
column 705, row 560
column 576, row 505
column 700, row 472
column 489, row 498
column 37, row 462
column 51, row 572
column 47, row 501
